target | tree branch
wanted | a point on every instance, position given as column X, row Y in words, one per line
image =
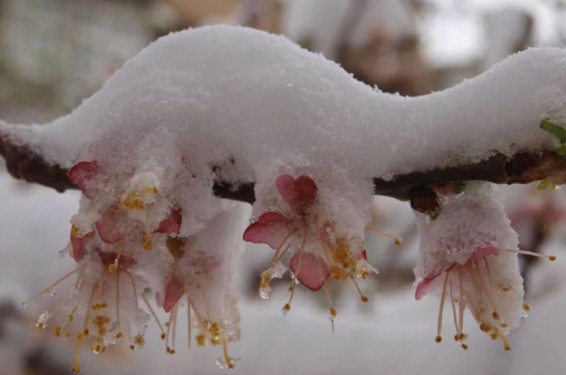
column 26, row 164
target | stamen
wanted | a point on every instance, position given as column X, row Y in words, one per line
column 118, row 299
column 174, row 329
column 46, row 290
column 363, row 297
column 332, row 312
column 462, row 306
column 454, row 315
column 154, row 315
column 81, row 336
column 189, row 323
column 287, row 306
column 438, row 337
column 229, row 362
column 397, row 240
column 279, row 252
column 552, row 258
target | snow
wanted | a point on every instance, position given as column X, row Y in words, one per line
column 259, row 98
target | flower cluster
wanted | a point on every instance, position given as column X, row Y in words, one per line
column 130, row 241
column 299, row 229
column 127, row 243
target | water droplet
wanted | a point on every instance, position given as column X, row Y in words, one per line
column 25, row 305
column 52, row 292
column 265, row 293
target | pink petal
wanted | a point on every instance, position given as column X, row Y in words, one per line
column 297, row 193
column 172, row 224
column 313, row 272
column 173, row 292
column 78, row 249
column 270, row 228
column 364, row 255
column 306, row 189
column 423, row 287
column 483, row 251
column 81, row 176
column 112, row 225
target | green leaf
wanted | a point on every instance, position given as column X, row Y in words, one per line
column 554, row 129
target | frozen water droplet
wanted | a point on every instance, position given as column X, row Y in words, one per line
column 278, row 270
column 25, row 305
column 42, row 320
column 265, row 293
column 221, row 363
column 52, row 292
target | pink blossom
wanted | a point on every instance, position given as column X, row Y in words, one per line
column 469, row 255
column 299, row 228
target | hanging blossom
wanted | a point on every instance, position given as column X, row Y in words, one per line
column 469, row 255
column 100, row 308
column 300, row 227
column 201, row 275
column 119, row 220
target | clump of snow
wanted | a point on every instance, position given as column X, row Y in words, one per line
column 467, row 222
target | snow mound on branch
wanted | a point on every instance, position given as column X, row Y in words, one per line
column 222, row 93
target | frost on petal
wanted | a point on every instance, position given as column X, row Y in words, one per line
column 82, row 174
column 309, row 269
column 297, row 193
column 271, row 228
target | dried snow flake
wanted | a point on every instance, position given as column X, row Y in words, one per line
column 469, row 255
column 300, row 228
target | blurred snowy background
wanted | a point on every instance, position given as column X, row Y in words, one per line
column 54, row 53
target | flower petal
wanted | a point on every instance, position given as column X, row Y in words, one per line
column 81, row 176
column 271, row 228
column 111, row 226
column 174, row 290
column 313, row 271
column 171, row 224
column 78, row 249
column 297, row 193
column 423, row 286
